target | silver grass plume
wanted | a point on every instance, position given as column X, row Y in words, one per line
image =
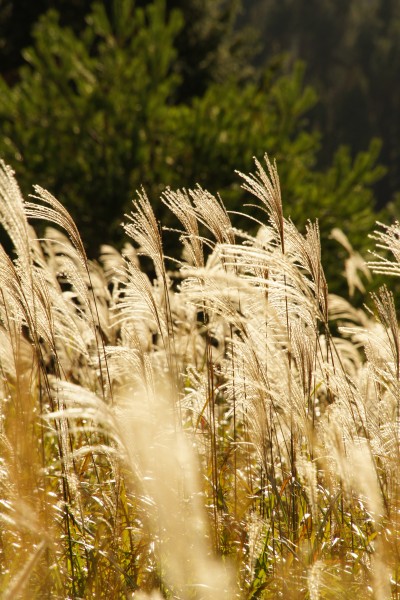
column 266, row 187
column 180, row 204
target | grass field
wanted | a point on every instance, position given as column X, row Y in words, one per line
column 222, row 428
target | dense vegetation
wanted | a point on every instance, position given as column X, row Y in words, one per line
column 352, row 49
column 194, row 405
column 229, row 429
column 109, row 104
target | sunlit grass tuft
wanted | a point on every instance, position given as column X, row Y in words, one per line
column 223, row 428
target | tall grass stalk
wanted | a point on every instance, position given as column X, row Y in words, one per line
column 223, row 428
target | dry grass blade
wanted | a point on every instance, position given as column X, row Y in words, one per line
column 388, row 240
column 266, row 187
column 13, row 215
column 212, row 213
column 354, row 264
column 21, row 581
column 199, row 437
column 179, row 203
column 54, row 212
column 144, row 230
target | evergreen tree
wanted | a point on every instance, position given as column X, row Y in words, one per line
column 17, row 19
column 95, row 116
column 209, row 47
column 352, row 51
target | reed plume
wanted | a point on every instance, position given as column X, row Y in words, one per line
column 214, row 426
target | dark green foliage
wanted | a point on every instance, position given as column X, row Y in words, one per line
column 17, row 18
column 89, row 114
column 95, row 116
column 210, row 47
column 352, row 50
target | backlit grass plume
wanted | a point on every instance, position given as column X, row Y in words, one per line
column 216, row 426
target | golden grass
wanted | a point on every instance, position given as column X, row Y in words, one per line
column 204, row 435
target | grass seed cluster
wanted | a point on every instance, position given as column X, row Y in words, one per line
column 223, row 428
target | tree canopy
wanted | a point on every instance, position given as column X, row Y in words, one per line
column 97, row 113
column 352, row 52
